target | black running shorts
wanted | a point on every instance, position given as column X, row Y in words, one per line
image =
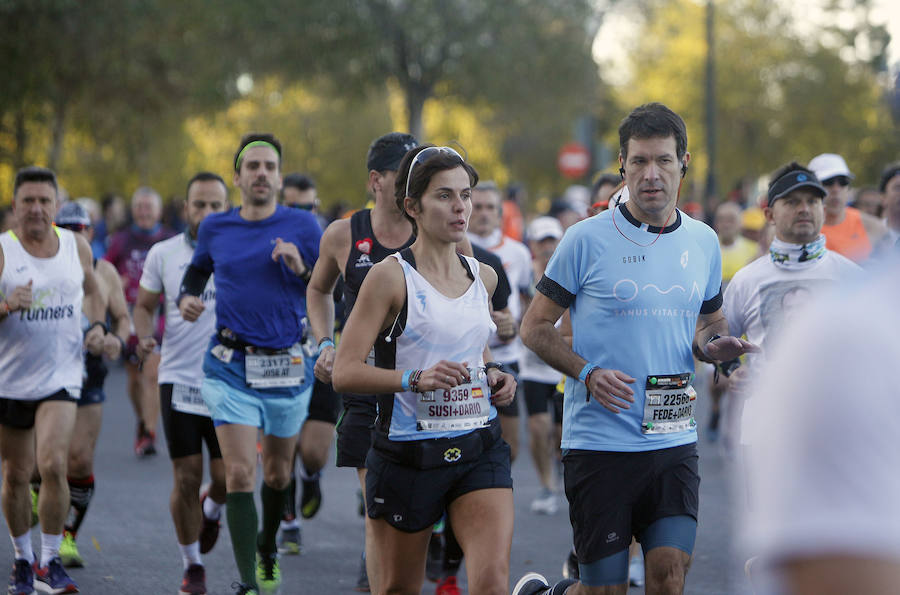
column 411, row 499
column 614, row 495
column 538, row 396
column 17, row 413
column 354, row 430
column 324, row 404
column 95, row 374
column 186, row 432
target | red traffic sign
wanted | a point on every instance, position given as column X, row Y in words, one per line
column 574, row 160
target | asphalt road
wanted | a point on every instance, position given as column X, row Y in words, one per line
column 129, row 545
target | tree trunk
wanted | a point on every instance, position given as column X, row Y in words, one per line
column 415, row 106
column 59, row 132
column 21, row 135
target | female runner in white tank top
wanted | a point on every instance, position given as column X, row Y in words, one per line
column 427, row 313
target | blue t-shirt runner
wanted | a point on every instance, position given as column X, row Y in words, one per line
column 260, row 300
column 255, row 375
column 634, row 308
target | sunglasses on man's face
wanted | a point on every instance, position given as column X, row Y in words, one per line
column 73, row 226
column 839, row 180
column 307, row 206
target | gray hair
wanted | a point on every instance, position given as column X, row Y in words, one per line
column 148, row 191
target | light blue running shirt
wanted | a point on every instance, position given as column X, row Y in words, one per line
column 634, row 308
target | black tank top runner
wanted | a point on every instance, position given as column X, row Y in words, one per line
column 94, row 367
column 365, row 251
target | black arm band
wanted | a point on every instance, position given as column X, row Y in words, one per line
column 193, row 283
column 712, row 304
column 556, row 292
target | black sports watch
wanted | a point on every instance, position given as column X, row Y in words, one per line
column 494, row 365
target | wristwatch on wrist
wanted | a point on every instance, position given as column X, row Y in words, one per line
column 493, row 365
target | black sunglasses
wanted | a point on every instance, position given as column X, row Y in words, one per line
column 73, row 226
column 840, row 180
column 309, row 206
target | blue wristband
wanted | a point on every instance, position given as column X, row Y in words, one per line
column 582, row 376
column 326, row 342
column 405, row 382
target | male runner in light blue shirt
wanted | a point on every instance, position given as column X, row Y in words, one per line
column 642, row 283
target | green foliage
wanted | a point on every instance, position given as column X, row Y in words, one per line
column 102, row 92
column 780, row 96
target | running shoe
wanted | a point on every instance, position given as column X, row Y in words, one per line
column 209, row 532
column 636, row 571
column 362, row 578
column 68, row 552
column 447, row 586
column 21, row 579
column 34, row 506
column 310, row 497
column 434, row 564
column 268, row 573
column 54, row 577
column 194, row 581
column 570, row 566
column 531, row 584
column 243, row 589
column 291, row 542
column 145, row 443
column 545, row 503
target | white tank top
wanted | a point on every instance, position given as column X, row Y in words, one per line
column 438, row 328
column 42, row 347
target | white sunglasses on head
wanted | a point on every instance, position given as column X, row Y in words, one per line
column 426, row 154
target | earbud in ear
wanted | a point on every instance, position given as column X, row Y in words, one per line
column 622, row 172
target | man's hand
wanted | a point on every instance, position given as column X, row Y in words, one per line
column 727, row 348
column 94, row 339
column 325, row 364
column 20, row 297
column 191, row 307
column 503, row 387
column 112, row 346
column 146, row 345
column 610, row 389
column 506, row 325
column 290, row 256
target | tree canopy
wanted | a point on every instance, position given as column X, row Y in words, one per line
column 149, row 91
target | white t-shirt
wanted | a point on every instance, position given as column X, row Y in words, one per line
column 762, row 297
column 516, row 259
column 823, row 468
column 184, row 343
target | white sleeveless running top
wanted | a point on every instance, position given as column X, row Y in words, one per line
column 41, row 348
column 437, row 328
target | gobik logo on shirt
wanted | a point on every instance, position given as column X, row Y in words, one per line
column 451, row 455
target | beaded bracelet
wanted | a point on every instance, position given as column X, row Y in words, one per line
column 414, row 381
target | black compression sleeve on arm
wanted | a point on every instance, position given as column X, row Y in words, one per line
column 193, row 282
